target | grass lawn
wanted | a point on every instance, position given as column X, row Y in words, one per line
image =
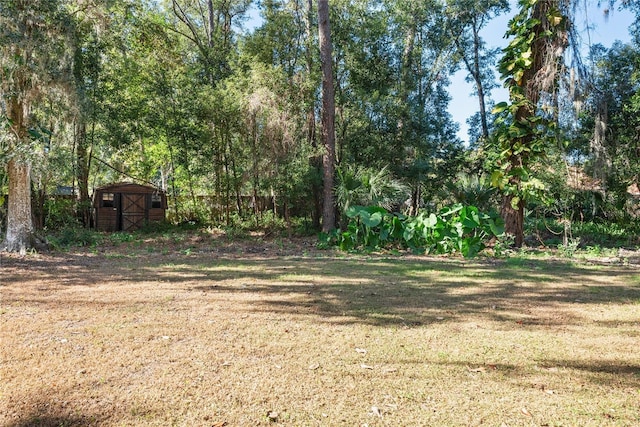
column 204, row 334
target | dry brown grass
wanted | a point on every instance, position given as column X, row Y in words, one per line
column 156, row 335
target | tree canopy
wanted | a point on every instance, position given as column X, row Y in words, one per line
column 244, row 111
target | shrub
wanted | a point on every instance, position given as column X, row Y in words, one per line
column 456, row 229
column 74, row 236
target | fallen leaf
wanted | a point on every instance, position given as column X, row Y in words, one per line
column 376, row 411
column 525, row 412
column 314, row 366
column 363, row 366
column 272, row 416
column 219, row 424
column 361, row 350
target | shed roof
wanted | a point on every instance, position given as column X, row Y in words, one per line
column 128, row 185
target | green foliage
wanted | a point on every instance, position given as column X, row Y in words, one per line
column 590, row 233
column 73, row 236
column 60, row 213
column 569, row 249
column 475, row 190
column 121, row 237
column 368, row 186
column 456, row 229
column 503, row 245
column 607, row 234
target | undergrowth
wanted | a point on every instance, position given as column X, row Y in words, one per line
column 457, row 229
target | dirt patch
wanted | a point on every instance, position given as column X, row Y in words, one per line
column 202, row 331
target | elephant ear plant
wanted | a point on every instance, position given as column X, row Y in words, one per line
column 455, row 229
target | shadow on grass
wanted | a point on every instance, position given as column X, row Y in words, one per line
column 381, row 292
column 52, row 421
column 387, row 292
column 372, row 290
column 38, row 412
column 607, row 373
column 612, row 369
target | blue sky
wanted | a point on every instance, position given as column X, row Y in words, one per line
column 601, row 30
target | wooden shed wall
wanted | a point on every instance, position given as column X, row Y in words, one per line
column 127, row 207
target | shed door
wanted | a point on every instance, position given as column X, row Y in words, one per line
column 133, row 211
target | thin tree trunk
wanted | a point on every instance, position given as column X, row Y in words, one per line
column 83, row 161
column 405, row 82
column 598, row 150
column 255, row 182
column 227, row 173
column 473, row 68
column 316, row 161
column 236, row 187
column 416, row 195
column 173, row 178
column 328, row 117
column 477, row 77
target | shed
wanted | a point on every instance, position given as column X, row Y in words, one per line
column 127, row 206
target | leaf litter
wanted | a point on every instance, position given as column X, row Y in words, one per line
column 592, row 342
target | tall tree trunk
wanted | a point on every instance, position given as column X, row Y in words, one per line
column 473, row 67
column 404, row 119
column 328, row 117
column 598, row 150
column 541, row 76
column 477, row 77
column 19, row 237
column 405, row 81
column 316, row 161
column 82, row 174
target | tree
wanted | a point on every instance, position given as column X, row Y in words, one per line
column 392, row 61
column 87, row 65
column 35, row 59
column 328, row 117
column 208, row 24
column 468, row 18
column 610, row 124
column 530, row 65
column 286, row 41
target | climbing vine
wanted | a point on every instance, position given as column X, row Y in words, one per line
column 529, row 68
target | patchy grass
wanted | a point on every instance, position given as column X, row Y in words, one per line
column 253, row 334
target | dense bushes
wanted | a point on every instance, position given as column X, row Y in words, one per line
column 456, row 229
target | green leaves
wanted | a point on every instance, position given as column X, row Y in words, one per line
column 454, row 229
column 500, row 108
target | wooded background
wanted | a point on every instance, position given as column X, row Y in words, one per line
column 181, row 94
